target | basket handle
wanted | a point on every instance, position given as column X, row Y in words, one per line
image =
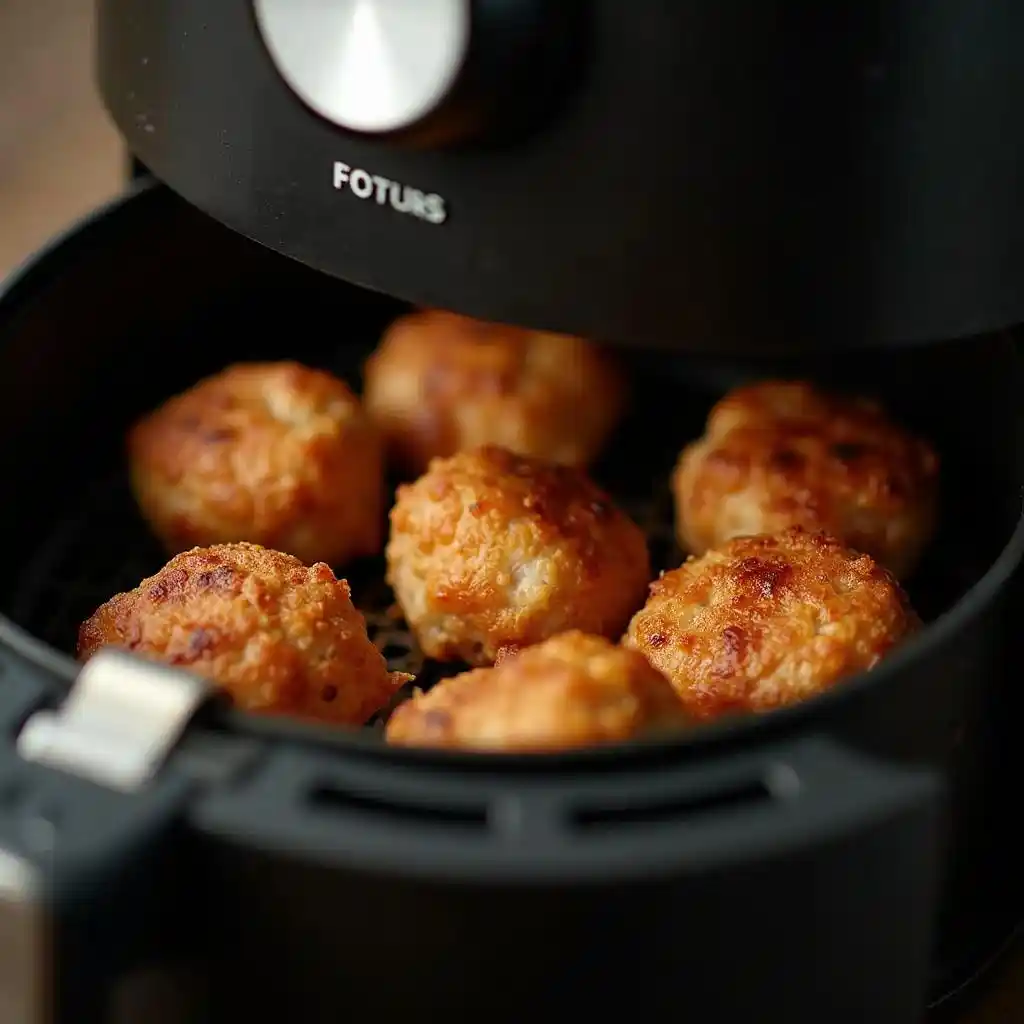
column 89, row 835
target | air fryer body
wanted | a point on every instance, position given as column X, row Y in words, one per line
column 793, row 862
column 743, row 176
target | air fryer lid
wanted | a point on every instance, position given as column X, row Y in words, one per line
column 759, row 175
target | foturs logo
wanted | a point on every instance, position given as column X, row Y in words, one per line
column 426, row 206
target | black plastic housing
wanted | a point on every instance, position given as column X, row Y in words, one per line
column 737, row 176
column 787, row 861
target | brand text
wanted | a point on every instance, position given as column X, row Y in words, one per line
column 426, row 206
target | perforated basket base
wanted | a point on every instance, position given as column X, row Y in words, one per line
column 104, row 547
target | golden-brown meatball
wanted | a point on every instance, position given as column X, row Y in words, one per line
column 273, row 453
column 780, row 454
column 573, row 690
column 276, row 636
column 491, row 550
column 769, row 621
column 440, row 383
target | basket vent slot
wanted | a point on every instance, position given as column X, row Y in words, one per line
column 386, row 808
column 675, row 808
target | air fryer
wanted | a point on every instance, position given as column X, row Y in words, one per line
column 724, row 192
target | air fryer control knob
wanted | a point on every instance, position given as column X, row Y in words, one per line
column 428, row 70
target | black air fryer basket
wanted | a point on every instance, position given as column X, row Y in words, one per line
column 277, row 871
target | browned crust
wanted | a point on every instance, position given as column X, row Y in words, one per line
column 769, row 621
column 276, row 635
column 779, row 454
column 439, row 383
column 573, row 690
column 491, row 550
column 274, row 453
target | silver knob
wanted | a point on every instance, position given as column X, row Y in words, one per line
column 368, row 65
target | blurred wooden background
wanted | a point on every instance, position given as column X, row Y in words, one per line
column 60, row 156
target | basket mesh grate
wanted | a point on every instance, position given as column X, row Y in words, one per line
column 104, row 547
